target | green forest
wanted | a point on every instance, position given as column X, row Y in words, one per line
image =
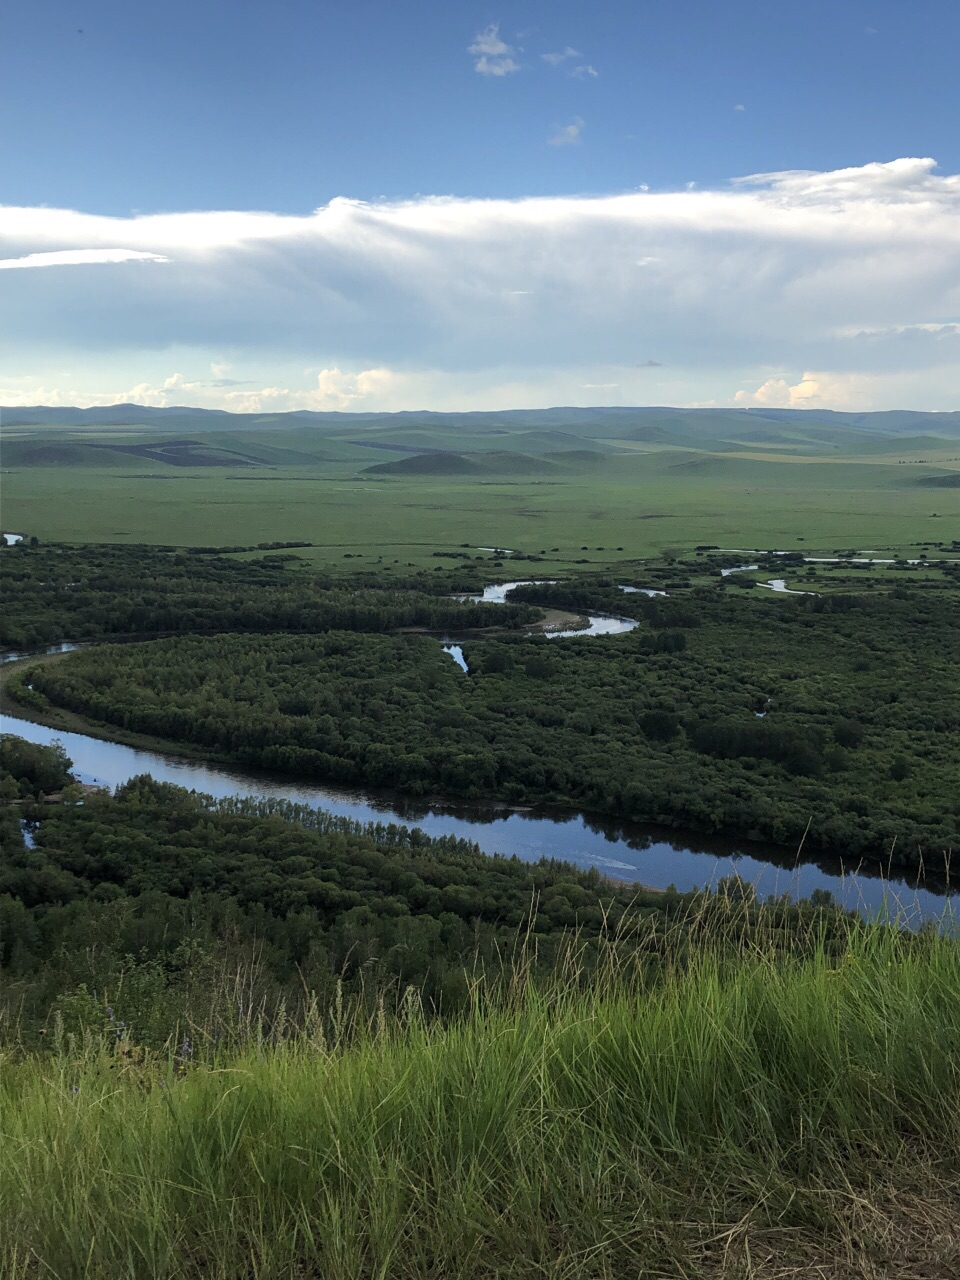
column 833, row 717
column 58, row 593
column 180, row 890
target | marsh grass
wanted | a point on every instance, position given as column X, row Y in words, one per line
column 757, row 1109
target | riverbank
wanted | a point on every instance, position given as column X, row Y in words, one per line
column 562, row 620
column 70, row 722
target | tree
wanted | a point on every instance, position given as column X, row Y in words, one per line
column 9, row 789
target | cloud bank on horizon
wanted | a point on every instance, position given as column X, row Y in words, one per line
column 836, row 289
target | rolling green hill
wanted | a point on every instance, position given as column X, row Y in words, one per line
column 397, row 487
column 426, row 464
column 604, row 421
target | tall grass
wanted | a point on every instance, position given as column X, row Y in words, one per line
column 759, row 1118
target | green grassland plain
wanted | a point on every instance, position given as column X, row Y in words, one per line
column 395, row 493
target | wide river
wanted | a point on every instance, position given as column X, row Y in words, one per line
column 627, row 851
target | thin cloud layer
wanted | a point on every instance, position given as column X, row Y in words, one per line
column 492, row 56
column 79, row 258
column 567, row 135
column 558, row 59
column 797, row 287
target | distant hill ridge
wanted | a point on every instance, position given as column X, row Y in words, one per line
column 653, row 421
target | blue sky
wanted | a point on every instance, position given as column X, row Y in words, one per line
column 562, row 111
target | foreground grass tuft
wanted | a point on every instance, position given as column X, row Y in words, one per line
column 778, row 1117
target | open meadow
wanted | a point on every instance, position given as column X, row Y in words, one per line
column 592, row 487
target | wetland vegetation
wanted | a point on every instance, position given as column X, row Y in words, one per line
column 832, row 716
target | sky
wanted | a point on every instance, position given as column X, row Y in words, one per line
column 445, row 205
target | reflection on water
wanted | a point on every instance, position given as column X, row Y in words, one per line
column 11, row 656
column 780, row 585
column 456, row 653
column 598, row 624
column 648, row 855
column 497, row 592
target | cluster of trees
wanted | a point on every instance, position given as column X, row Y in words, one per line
column 722, row 712
column 56, row 593
column 34, row 770
column 604, row 595
column 133, row 908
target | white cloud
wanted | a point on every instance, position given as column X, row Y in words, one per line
column 343, row 390
column 566, row 135
column 492, row 56
column 79, row 258
column 777, row 393
column 582, row 71
column 908, row 180
column 812, row 391
column 558, row 59
column 853, row 275
column 739, row 107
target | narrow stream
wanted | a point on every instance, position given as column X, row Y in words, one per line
column 598, row 624
column 780, row 585
column 456, row 653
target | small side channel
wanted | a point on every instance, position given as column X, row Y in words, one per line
column 456, row 653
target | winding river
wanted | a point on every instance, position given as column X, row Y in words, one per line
column 598, row 624
column 647, row 855
column 655, row 857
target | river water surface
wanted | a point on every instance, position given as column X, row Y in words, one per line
column 644, row 854
column 598, row 624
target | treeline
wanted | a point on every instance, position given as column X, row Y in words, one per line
column 56, row 593
column 258, row 546
column 836, row 717
column 130, row 908
column 603, row 595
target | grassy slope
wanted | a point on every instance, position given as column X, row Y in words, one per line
column 780, row 1118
